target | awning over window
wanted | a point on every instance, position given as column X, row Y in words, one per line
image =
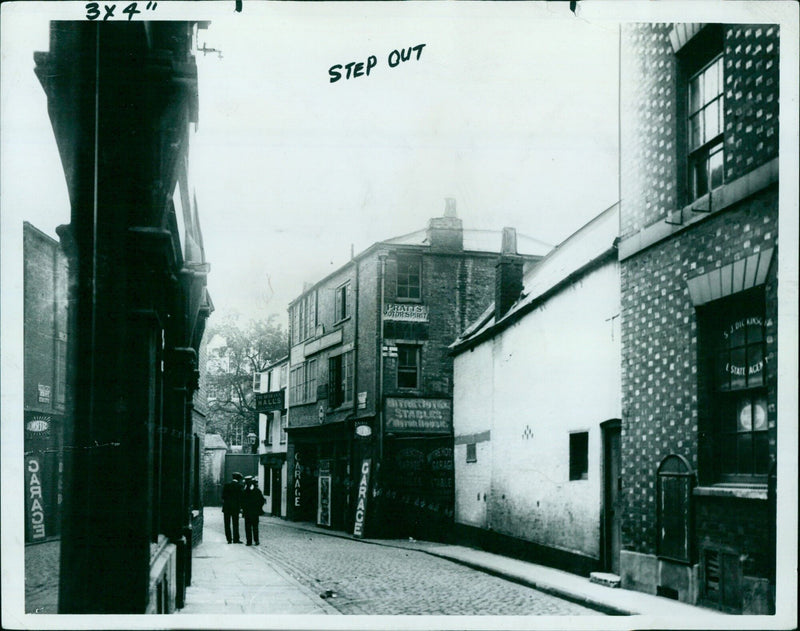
column 730, row 279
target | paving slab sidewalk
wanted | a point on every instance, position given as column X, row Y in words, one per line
column 578, row 589
column 231, row 578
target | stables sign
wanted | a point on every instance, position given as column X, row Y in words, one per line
column 425, row 416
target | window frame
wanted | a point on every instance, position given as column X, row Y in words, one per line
column 406, row 369
column 407, row 260
column 301, row 390
column 701, row 52
column 722, row 317
column 472, row 452
column 340, row 379
column 701, row 154
column 341, row 303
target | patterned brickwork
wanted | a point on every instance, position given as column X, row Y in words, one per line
column 659, row 349
column 751, row 97
column 653, row 165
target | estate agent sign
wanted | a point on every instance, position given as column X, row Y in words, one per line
column 427, row 416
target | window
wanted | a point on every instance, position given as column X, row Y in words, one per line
column 284, row 424
column 706, row 126
column 702, row 110
column 268, row 440
column 472, row 453
column 407, row 366
column 340, row 379
column 342, row 303
column 257, row 382
column 409, row 278
column 303, row 383
column 304, row 317
column 739, row 396
column 579, row 456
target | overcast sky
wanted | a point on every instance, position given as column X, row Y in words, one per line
column 513, row 112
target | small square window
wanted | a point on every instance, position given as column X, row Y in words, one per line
column 579, row 456
column 472, row 452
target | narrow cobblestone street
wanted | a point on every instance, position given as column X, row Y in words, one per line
column 367, row 579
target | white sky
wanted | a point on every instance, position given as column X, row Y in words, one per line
column 513, row 112
column 505, row 110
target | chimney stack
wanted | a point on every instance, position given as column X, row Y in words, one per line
column 446, row 233
column 508, row 275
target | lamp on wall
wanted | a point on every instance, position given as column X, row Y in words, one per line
column 251, row 437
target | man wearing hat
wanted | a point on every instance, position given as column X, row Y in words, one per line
column 252, row 503
column 231, row 505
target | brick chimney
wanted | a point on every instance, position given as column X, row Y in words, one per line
column 507, row 275
column 446, row 233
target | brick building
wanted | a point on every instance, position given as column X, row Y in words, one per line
column 45, row 369
column 370, row 378
column 698, row 253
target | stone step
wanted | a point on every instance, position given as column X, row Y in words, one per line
column 604, row 578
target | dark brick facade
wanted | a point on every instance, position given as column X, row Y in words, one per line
column 666, row 389
column 455, row 287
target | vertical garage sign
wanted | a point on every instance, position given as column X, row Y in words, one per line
column 361, row 503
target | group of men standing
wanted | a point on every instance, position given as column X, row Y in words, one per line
column 242, row 495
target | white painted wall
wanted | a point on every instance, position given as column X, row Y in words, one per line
column 472, row 414
column 556, row 370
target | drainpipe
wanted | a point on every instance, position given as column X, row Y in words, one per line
column 379, row 394
column 355, row 381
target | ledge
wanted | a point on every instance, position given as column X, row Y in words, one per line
column 743, row 492
column 722, row 198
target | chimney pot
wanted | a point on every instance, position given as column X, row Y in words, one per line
column 509, row 245
column 450, row 207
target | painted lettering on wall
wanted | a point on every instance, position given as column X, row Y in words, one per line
column 356, row 69
column 418, row 415
column 298, row 472
column 34, row 497
column 406, row 313
column 361, row 501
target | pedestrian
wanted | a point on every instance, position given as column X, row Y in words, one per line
column 231, row 506
column 252, row 503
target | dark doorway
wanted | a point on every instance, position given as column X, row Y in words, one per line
column 276, row 492
column 612, row 483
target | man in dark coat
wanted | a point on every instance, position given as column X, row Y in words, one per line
column 231, row 505
column 252, row 503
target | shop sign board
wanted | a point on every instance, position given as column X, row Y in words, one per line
column 270, row 401
column 406, row 312
column 426, row 416
column 362, row 400
column 361, row 502
column 363, row 429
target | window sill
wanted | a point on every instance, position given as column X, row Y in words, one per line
column 408, row 300
column 738, row 491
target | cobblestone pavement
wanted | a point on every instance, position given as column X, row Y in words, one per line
column 41, row 577
column 370, row 579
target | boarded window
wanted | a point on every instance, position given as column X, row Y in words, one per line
column 579, row 456
column 472, row 452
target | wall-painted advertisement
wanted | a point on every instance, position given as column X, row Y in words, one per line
column 419, row 416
